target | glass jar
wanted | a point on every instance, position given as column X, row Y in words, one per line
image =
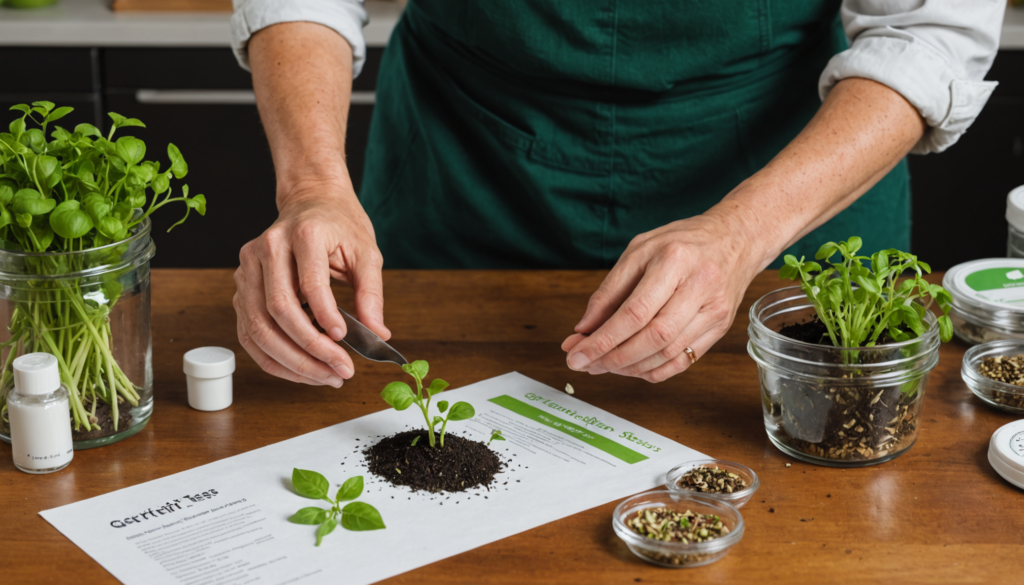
column 841, row 407
column 988, row 299
column 91, row 309
column 1015, row 223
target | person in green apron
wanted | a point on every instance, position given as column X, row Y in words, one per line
column 683, row 145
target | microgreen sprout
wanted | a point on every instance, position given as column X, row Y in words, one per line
column 400, row 396
column 356, row 516
column 496, row 436
column 857, row 317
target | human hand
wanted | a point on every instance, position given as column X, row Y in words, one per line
column 321, row 232
column 673, row 288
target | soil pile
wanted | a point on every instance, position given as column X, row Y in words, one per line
column 461, row 465
column 105, row 420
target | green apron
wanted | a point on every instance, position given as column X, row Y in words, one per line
column 549, row 133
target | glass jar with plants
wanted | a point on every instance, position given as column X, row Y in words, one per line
column 75, row 248
column 844, row 358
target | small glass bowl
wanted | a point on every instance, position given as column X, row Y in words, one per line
column 737, row 499
column 1001, row 395
column 676, row 555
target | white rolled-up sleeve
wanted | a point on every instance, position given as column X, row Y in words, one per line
column 346, row 17
column 935, row 53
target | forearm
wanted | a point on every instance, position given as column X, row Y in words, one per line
column 860, row 133
column 302, row 75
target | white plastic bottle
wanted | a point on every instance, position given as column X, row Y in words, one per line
column 39, row 414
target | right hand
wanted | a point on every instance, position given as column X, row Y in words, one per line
column 321, row 232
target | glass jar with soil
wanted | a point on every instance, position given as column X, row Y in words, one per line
column 842, row 407
column 91, row 309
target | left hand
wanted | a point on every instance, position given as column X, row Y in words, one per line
column 674, row 287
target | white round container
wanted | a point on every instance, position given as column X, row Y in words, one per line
column 38, row 411
column 1006, row 452
column 208, row 372
column 1015, row 223
column 988, row 299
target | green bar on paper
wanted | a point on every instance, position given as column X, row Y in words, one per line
column 570, row 428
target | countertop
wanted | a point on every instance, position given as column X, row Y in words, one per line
column 937, row 514
column 90, row 23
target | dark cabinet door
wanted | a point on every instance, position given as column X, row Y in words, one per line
column 206, row 109
column 229, row 162
column 960, row 195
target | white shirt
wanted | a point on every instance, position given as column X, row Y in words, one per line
column 935, row 53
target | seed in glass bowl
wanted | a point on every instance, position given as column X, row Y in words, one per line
column 711, row 480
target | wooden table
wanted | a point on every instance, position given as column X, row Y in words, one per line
column 937, row 514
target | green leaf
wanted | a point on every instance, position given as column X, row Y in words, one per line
column 461, row 411
column 48, row 171
column 945, row 328
column 112, row 290
column 790, row 260
column 399, row 395
column 45, row 106
column 350, row 490
column 324, row 529
column 111, row 227
column 97, row 206
column 59, row 113
column 23, row 219
column 5, row 216
column 69, row 222
column 31, row 202
column 43, row 234
column 418, row 369
column 867, row 282
column 826, row 251
column 437, row 420
column 311, row 516
column 199, row 204
column 21, row 108
column 788, row 273
column 854, row 244
column 161, row 183
column 360, row 516
column 416, row 440
column 442, row 406
column 87, row 130
column 6, row 194
column 34, row 139
column 17, row 127
column 131, row 149
column 310, row 484
column 437, row 386
column 178, row 166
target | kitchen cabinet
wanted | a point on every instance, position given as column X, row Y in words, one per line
column 201, row 100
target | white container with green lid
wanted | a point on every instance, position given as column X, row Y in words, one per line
column 988, row 299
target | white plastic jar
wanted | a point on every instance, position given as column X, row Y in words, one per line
column 988, row 299
column 1015, row 223
column 38, row 410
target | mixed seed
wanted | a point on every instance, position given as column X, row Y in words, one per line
column 1009, row 370
column 671, row 526
column 711, row 480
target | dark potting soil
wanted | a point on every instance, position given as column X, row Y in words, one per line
column 105, row 421
column 814, row 331
column 461, row 465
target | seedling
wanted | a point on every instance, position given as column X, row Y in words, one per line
column 400, row 396
column 496, row 436
column 355, row 516
column 856, row 317
column 69, row 192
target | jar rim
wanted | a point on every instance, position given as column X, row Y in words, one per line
column 142, row 230
column 760, row 327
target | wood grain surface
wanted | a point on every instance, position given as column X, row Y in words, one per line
column 938, row 514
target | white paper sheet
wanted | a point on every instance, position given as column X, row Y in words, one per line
column 226, row 522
